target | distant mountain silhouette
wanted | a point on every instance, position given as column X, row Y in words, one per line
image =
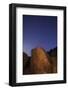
column 40, row 61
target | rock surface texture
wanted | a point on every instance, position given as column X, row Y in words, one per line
column 40, row 62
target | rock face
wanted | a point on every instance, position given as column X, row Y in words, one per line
column 25, row 59
column 26, row 64
column 40, row 62
column 53, row 54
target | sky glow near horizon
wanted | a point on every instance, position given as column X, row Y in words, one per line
column 39, row 31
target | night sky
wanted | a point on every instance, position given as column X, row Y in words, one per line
column 39, row 31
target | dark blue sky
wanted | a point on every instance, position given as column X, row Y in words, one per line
column 39, row 31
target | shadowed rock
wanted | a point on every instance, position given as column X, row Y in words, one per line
column 26, row 64
column 25, row 59
column 53, row 54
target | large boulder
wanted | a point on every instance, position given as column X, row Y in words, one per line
column 40, row 62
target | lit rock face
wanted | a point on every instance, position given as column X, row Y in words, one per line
column 40, row 62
